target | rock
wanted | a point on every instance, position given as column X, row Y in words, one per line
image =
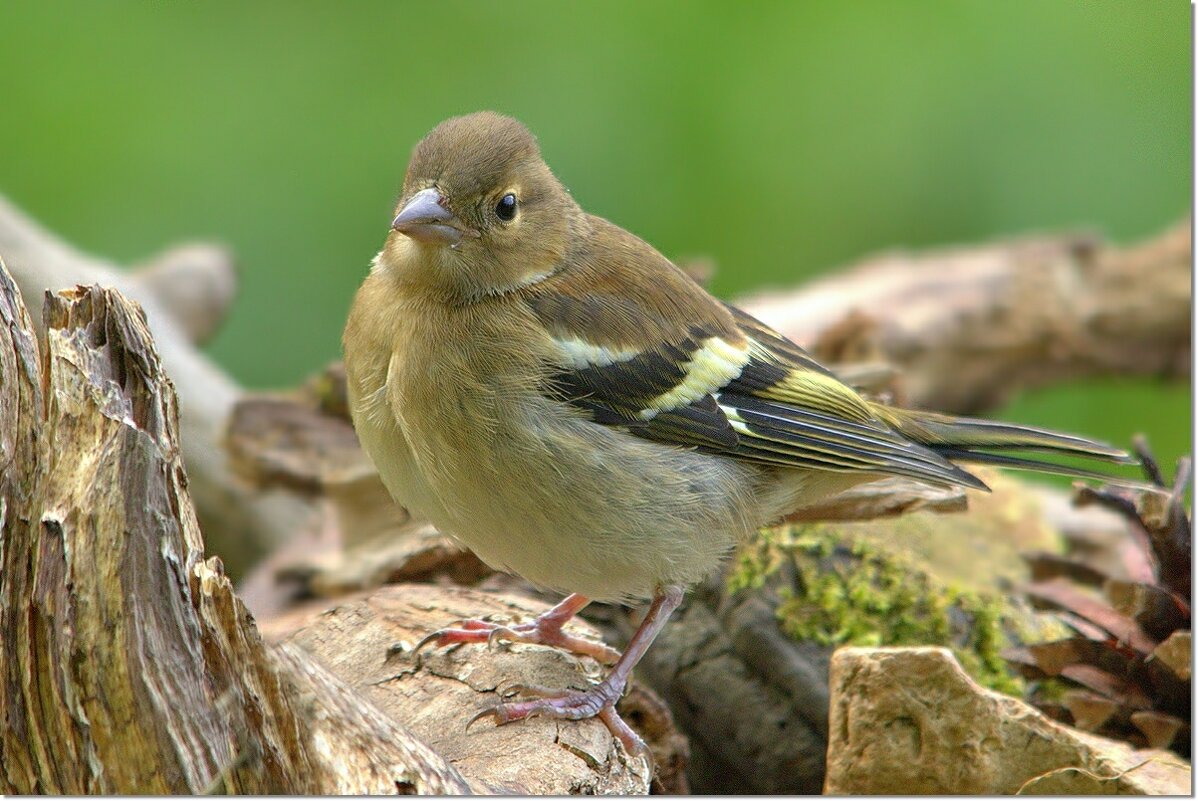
column 911, row 721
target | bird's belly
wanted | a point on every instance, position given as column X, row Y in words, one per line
column 578, row 507
column 388, row 448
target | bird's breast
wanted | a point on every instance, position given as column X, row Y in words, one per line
column 460, row 428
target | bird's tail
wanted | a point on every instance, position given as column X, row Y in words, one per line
column 965, row 439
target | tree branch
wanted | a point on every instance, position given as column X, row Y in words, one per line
column 968, row 327
column 184, row 294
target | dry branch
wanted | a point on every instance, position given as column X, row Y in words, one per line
column 184, row 293
column 969, row 327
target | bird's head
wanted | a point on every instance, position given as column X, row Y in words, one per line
column 481, row 214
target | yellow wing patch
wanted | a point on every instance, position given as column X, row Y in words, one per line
column 820, row 393
column 802, row 386
column 580, row 354
column 712, row 366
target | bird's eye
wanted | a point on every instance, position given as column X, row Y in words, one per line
column 505, row 209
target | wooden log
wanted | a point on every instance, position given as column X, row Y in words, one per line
column 968, row 327
column 119, row 641
column 367, row 640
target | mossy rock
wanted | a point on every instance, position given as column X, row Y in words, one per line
column 744, row 661
column 921, row 579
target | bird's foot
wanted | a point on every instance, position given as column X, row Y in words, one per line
column 544, row 629
column 597, row 702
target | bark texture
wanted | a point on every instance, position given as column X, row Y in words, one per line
column 368, row 642
column 129, row 666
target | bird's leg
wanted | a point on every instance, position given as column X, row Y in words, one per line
column 544, row 629
column 600, row 700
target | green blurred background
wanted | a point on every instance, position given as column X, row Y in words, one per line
column 782, row 139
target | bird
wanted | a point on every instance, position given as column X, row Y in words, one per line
column 558, row 396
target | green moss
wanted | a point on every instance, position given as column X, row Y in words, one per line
column 753, row 562
column 851, row 592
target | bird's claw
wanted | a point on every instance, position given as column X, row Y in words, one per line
column 498, row 635
column 632, row 741
column 503, row 713
column 491, row 710
column 566, row 705
column 473, row 624
column 425, row 640
column 459, row 632
column 533, row 632
column 517, row 688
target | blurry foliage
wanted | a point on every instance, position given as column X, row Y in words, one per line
column 780, row 138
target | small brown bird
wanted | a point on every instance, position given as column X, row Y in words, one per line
column 553, row 392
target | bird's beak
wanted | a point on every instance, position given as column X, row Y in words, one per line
column 427, row 219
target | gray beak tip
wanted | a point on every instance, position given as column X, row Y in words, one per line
column 426, row 218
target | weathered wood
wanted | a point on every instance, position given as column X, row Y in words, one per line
column 969, row 327
column 367, row 641
column 21, row 403
column 909, row 720
column 117, row 655
column 363, row 750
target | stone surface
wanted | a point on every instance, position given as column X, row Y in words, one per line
column 910, row 721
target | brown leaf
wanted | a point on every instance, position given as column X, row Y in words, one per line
column 1060, row 594
column 1158, row 728
column 1175, row 653
column 1045, row 566
column 1089, row 710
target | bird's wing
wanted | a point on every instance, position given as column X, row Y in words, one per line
column 681, row 368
